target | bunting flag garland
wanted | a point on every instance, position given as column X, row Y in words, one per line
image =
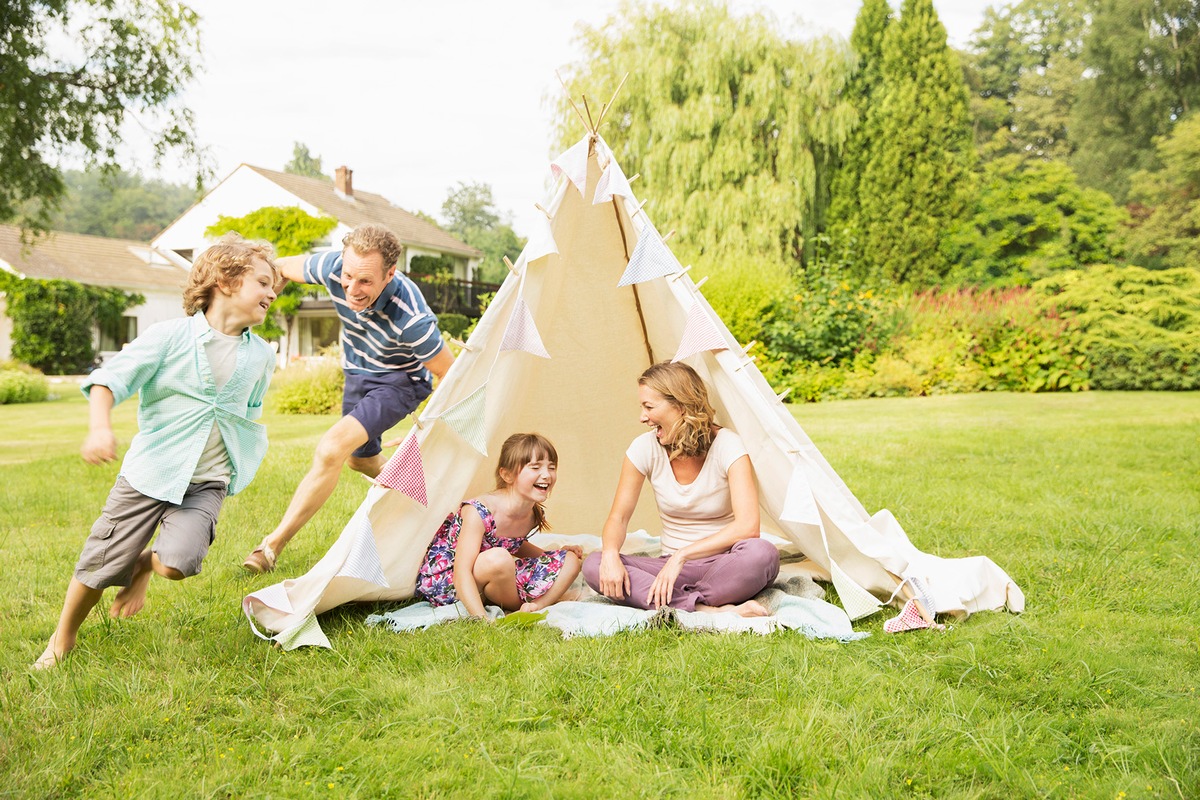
column 522, row 333
column 466, row 418
column 699, row 334
column 404, row 471
column 612, row 182
column 651, row 259
column 363, row 560
column 799, row 505
column 541, row 242
column 573, row 164
column 909, row 619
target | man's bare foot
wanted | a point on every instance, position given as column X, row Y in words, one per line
column 132, row 598
column 750, row 608
column 53, row 655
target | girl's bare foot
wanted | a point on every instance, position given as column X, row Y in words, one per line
column 750, row 608
column 132, row 598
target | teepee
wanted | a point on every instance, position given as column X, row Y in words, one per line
column 595, row 298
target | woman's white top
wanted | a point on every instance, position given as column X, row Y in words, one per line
column 696, row 510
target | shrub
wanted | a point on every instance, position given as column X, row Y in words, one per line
column 453, row 324
column 310, row 387
column 741, row 292
column 1139, row 328
column 22, row 384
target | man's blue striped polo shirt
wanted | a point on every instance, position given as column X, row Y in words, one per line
column 396, row 334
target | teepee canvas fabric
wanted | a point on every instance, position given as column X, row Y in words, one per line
column 579, row 388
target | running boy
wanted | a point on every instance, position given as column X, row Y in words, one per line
column 202, row 379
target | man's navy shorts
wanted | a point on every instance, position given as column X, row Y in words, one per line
column 379, row 401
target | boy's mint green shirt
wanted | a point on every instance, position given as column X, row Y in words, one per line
column 180, row 403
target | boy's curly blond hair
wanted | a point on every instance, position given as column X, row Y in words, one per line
column 227, row 262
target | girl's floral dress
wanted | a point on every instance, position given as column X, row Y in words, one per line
column 435, row 579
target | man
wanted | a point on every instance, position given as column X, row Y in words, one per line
column 390, row 344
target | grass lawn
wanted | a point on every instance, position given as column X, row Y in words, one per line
column 1090, row 501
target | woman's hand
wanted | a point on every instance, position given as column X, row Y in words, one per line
column 614, row 578
column 664, row 583
column 576, row 549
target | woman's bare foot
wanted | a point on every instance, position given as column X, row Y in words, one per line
column 132, row 598
column 750, row 608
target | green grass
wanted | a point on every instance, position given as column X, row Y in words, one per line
column 1089, row 501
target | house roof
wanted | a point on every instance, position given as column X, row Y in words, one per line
column 366, row 207
column 91, row 260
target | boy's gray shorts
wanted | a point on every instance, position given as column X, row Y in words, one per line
column 127, row 524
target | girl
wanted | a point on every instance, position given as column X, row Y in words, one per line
column 482, row 553
column 713, row 558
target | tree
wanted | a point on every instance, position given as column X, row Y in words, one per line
column 74, row 71
column 1143, row 59
column 292, row 231
column 304, row 163
column 119, row 204
column 1033, row 219
column 471, row 215
column 1025, row 68
column 733, row 129
column 867, row 42
column 917, row 182
column 1167, row 200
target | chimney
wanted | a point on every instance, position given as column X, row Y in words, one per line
column 342, row 182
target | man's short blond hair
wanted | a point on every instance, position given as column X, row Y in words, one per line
column 367, row 239
column 227, row 262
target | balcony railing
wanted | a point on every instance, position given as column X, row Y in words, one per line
column 452, row 295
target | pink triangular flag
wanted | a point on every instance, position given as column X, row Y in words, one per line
column 573, row 164
column 699, row 334
column 522, row 333
column 404, row 471
column 651, row 258
column 612, row 182
column 909, row 619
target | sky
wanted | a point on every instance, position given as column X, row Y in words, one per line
column 416, row 97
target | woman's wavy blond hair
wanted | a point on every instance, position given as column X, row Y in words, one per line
column 227, row 262
column 517, row 451
column 679, row 384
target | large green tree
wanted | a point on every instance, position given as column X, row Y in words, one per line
column 917, row 182
column 733, row 128
column 867, row 42
column 304, row 163
column 1143, row 59
column 471, row 215
column 71, row 73
column 1025, row 67
column 119, row 204
column 292, row 231
column 1167, row 202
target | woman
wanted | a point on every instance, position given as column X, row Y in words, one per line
column 713, row 558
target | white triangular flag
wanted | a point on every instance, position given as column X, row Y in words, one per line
column 522, row 333
column 651, row 259
column 799, row 505
column 541, row 241
column 363, row 560
column 466, row 418
column 612, row 182
column 699, row 334
column 573, row 164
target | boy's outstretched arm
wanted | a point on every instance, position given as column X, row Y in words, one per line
column 100, row 446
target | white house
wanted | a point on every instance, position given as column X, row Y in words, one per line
column 250, row 188
column 97, row 261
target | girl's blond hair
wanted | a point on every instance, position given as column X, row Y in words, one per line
column 680, row 386
column 517, row 451
column 227, row 262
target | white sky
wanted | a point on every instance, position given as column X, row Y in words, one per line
column 417, row 96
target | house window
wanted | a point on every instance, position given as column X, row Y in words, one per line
column 115, row 334
column 319, row 333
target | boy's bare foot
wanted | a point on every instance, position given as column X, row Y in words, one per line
column 750, row 608
column 132, row 598
column 53, row 655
